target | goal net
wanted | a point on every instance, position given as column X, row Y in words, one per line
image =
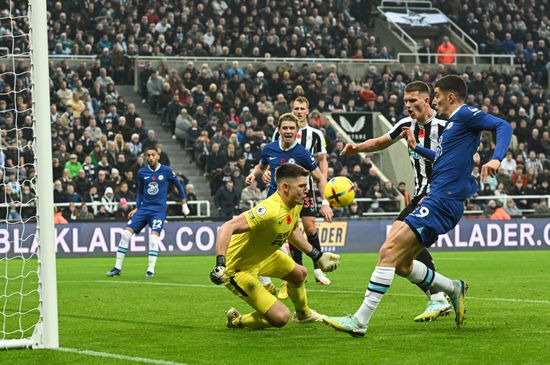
column 28, row 300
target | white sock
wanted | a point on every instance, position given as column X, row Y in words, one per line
column 318, row 272
column 122, row 248
column 440, row 297
column 380, row 282
column 153, row 252
column 265, row 280
column 422, row 274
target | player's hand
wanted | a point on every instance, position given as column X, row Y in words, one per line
column 249, row 179
column 217, row 275
column 490, row 168
column 132, row 212
column 326, row 212
column 409, row 135
column 266, row 177
column 350, row 149
column 329, row 261
column 185, row 209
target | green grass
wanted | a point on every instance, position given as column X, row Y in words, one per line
column 507, row 319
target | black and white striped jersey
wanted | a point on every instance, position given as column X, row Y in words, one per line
column 427, row 135
column 313, row 141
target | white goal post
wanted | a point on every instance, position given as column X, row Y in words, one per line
column 45, row 326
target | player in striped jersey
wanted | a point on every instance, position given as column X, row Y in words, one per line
column 314, row 142
column 427, row 129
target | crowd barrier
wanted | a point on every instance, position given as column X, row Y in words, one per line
column 198, row 238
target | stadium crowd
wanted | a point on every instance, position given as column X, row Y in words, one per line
column 223, row 115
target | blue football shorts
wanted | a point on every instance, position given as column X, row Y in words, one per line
column 434, row 216
column 144, row 216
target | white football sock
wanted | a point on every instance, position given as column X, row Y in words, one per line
column 379, row 284
column 153, row 252
column 422, row 274
column 122, row 248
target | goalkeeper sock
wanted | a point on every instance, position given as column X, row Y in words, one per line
column 298, row 295
column 122, row 248
column 314, row 241
column 253, row 320
column 422, row 274
column 379, row 284
column 153, row 252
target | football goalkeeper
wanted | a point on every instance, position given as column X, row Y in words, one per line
column 248, row 246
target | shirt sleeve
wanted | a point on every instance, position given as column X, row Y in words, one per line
column 394, row 133
column 259, row 216
column 263, row 158
column 139, row 195
column 483, row 121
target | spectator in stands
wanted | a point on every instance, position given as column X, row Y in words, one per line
column 446, row 51
column 215, row 161
column 227, row 200
column 154, row 89
column 73, row 165
column 512, row 210
column 428, row 51
column 250, row 196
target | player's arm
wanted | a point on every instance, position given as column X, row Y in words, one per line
column 139, row 197
column 504, row 135
column 323, row 163
column 370, row 145
column 411, row 142
column 327, row 261
column 321, row 179
column 182, row 196
column 257, row 171
column 238, row 224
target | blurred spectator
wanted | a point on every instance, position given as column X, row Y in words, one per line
column 250, row 196
column 446, row 51
column 227, row 200
column 512, row 209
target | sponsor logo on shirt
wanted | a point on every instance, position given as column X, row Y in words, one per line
column 153, row 188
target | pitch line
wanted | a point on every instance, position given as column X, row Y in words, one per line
column 115, row 281
column 118, row 356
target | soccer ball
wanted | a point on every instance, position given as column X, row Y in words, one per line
column 340, row 192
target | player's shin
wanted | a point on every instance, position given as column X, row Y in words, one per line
column 253, row 320
column 379, row 284
column 421, row 274
column 153, row 252
column 122, row 248
column 298, row 295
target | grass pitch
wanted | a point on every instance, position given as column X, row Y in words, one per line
column 179, row 316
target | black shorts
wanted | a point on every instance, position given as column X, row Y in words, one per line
column 410, row 207
column 310, row 205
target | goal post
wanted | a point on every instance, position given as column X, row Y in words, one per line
column 47, row 276
column 28, row 283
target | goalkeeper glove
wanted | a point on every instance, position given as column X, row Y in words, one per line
column 185, row 209
column 327, row 261
column 217, row 275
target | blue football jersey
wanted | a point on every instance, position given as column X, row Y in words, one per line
column 154, row 187
column 452, row 170
column 273, row 156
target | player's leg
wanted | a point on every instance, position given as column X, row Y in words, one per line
column 437, row 301
column 156, row 223
column 269, row 312
column 308, row 222
column 135, row 224
column 282, row 266
column 434, row 217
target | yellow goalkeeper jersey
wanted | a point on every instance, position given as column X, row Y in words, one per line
column 270, row 222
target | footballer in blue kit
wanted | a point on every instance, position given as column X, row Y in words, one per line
column 153, row 187
column 451, row 184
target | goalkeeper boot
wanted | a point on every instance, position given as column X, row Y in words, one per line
column 271, row 288
column 313, row 316
column 114, row 272
column 457, row 299
column 434, row 310
column 283, row 291
column 232, row 314
column 321, row 278
column 348, row 324
column 149, row 274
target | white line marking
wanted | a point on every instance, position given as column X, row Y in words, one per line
column 115, row 281
column 118, row 357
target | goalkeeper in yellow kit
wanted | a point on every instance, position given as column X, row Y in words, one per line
column 248, row 246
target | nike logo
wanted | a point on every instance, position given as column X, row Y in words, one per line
column 272, row 158
column 281, row 221
column 146, row 177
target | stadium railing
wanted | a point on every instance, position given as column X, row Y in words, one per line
column 203, row 206
column 468, row 58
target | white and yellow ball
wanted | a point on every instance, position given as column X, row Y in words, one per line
column 340, row 192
